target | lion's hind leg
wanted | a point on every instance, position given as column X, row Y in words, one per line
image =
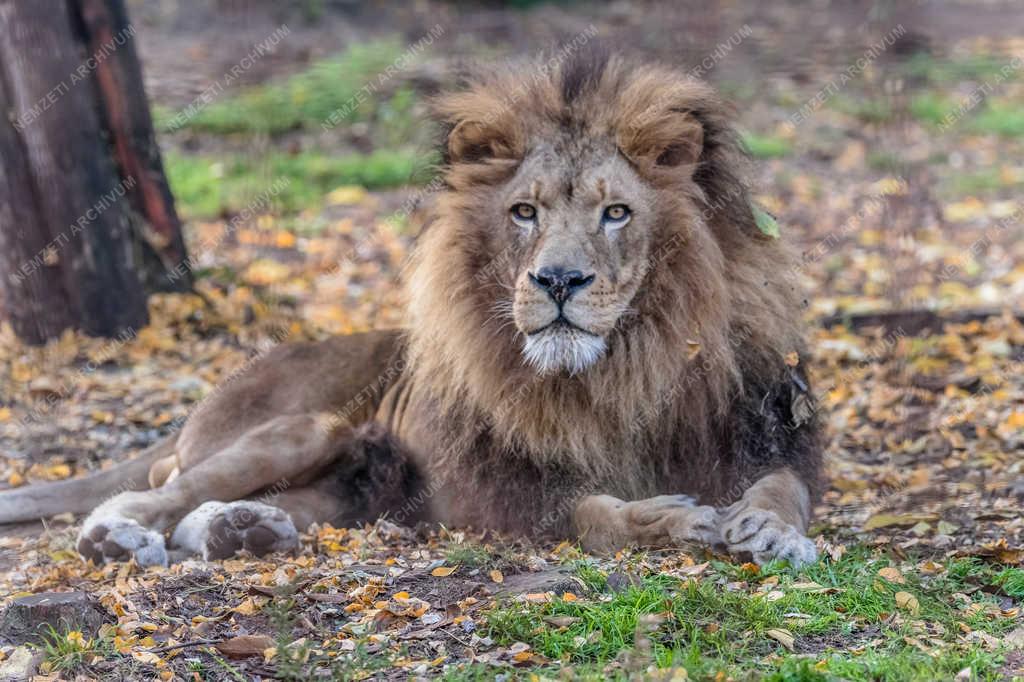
column 283, row 452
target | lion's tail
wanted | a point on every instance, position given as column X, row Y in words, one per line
column 82, row 495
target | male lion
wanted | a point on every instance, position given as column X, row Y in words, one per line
column 594, row 316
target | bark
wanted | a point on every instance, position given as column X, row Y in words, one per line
column 87, row 223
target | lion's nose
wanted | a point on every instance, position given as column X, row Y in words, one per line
column 559, row 283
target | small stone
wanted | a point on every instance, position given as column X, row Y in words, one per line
column 31, row 618
column 556, row 580
column 21, row 665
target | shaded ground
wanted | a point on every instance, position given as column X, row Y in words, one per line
column 902, row 196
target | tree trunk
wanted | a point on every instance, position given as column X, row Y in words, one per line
column 87, row 224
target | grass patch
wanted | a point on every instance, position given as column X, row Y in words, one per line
column 345, row 89
column 766, row 146
column 999, row 118
column 1012, row 582
column 207, row 187
column 931, row 109
column 977, row 67
column 862, row 108
column 842, row 615
column 979, row 182
column 886, row 161
column 465, row 554
column 69, row 652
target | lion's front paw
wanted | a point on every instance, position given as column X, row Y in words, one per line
column 766, row 537
column 671, row 519
column 115, row 538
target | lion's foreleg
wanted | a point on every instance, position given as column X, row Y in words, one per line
column 605, row 523
column 770, row 520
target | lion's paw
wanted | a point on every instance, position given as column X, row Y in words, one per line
column 114, row 538
column 218, row 530
column 672, row 518
column 766, row 537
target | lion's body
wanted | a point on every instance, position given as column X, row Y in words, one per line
column 674, row 369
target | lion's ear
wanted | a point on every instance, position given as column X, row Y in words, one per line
column 475, row 141
column 668, row 139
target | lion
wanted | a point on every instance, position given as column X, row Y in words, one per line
column 600, row 345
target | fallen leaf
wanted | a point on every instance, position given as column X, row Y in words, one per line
column 892, row 574
column 907, row 602
column 496, row 576
column 443, row 571
column 244, row 646
column 346, row 195
column 1015, row 639
column 902, row 520
column 784, row 637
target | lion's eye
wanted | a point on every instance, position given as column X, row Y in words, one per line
column 616, row 215
column 524, row 215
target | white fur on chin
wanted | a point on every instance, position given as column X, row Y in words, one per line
column 563, row 349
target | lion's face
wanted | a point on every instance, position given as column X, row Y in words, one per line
column 578, row 238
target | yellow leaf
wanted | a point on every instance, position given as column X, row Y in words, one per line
column 5, row 414
column 569, row 596
column 497, row 577
column 907, row 602
column 346, row 195
column 892, row 574
column 55, row 472
column 443, row 571
column 886, row 520
column 15, row 479
column 792, row 358
column 782, row 636
column 1014, row 421
column 248, row 607
column 284, row 240
column 401, row 595
column 961, row 211
column 265, row 272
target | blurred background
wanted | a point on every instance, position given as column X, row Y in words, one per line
column 886, row 137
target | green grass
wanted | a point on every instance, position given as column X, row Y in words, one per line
column 931, row 109
column 999, row 118
column 1012, row 582
column 68, row 651
column 351, row 87
column 862, row 107
column 766, row 146
column 844, row 629
column 206, row 187
column 465, row 554
column 977, row 67
column 986, row 181
column 884, row 160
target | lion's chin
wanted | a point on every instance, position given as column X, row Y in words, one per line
column 561, row 348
